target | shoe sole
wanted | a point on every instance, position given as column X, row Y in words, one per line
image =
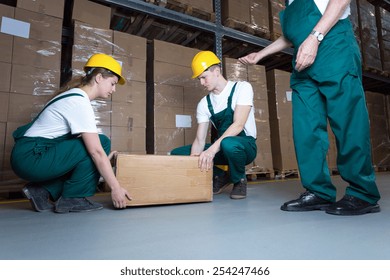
column 222, row 189
column 237, row 196
column 28, row 195
column 367, row 210
column 321, row 207
column 77, row 211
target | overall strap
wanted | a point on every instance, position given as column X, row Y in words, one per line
column 231, row 95
column 210, row 106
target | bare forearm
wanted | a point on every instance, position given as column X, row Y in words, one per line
column 280, row 44
column 332, row 14
column 197, row 147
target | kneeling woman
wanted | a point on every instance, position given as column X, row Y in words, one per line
column 61, row 153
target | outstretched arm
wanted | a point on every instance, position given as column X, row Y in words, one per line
column 277, row 46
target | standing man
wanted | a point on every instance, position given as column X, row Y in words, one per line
column 229, row 107
column 327, row 85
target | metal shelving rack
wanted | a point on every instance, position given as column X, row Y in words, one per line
column 372, row 81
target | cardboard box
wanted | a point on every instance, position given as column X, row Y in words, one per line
column 89, row 39
column 102, row 109
column 30, row 80
column 234, row 70
column 164, row 140
column 236, row 10
column 133, row 92
column 280, row 117
column 173, row 53
column 128, row 115
column 24, row 108
column 41, row 54
column 2, row 144
column 157, row 179
column 4, row 100
column 5, row 77
column 129, row 45
column 128, row 140
column 6, row 40
column 275, row 8
column 42, row 27
column 47, row 7
column 92, row 13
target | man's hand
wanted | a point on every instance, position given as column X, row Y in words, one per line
column 307, row 53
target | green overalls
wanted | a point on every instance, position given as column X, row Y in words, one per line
column 330, row 89
column 61, row 165
column 236, row 151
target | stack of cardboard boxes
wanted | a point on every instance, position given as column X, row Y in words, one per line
column 123, row 117
column 172, row 97
column 247, row 15
column 280, row 112
column 379, row 128
column 255, row 75
column 30, row 60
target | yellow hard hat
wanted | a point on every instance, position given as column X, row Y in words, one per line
column 108, row 62
column 202, row 61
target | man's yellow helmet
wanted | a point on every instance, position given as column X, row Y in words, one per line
column 105, row 61
column 202, row 61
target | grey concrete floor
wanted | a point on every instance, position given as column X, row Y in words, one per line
column 225, row 229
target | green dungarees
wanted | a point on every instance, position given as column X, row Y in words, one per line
column 61, row 165
column 236, row 151
column 331, row 89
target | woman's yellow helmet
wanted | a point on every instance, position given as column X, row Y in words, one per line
column 107, row 62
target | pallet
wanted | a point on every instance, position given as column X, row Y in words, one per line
column 283, row 174
column 187, row 9
column 382, row 168
column 254, row 173
column 376, row 71
column 11, row 189
column 247, row 28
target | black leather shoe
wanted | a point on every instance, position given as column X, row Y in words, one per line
column 308, row 201
column 350, row 205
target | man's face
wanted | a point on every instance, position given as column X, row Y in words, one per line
column 207, row 79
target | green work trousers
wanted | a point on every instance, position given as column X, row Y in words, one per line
column 62, row 166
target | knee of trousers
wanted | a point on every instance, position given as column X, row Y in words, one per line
column 106, row 143
column 181, row 151
column 230, row 146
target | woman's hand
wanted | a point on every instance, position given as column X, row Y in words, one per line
column 119, row 197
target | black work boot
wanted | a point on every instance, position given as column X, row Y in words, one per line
column 239, row 190
column 38, row 196
column 220, row 183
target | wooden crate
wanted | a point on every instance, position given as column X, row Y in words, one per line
column 163, row 179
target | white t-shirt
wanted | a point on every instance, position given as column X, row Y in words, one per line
column 72, row 114
column 322, row 4
column 243, row 95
